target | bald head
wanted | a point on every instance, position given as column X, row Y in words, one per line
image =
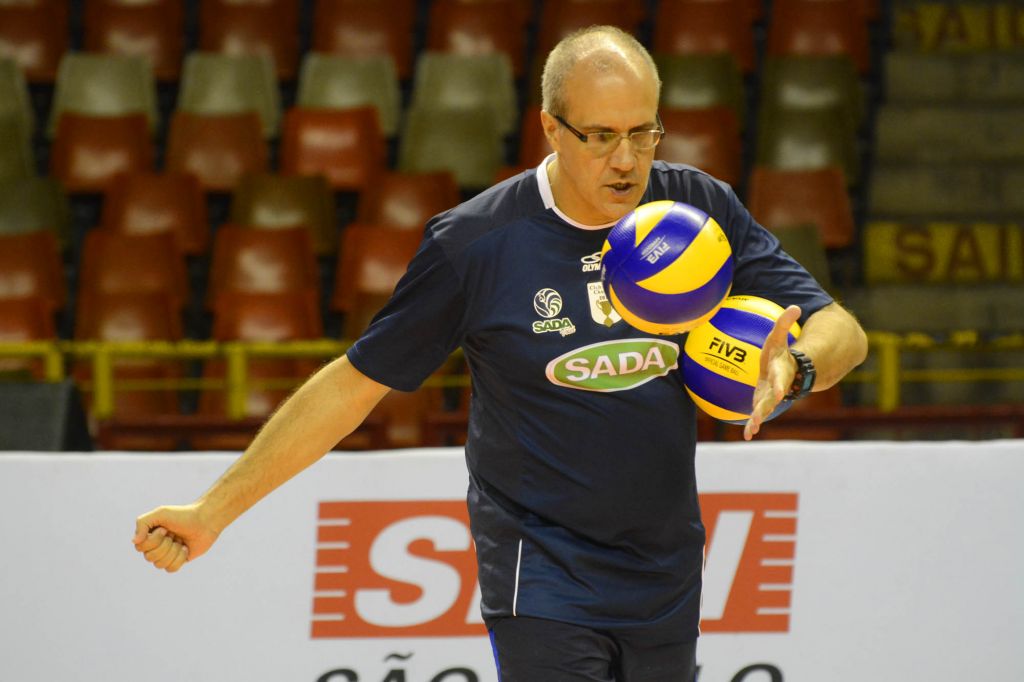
column 592, row 51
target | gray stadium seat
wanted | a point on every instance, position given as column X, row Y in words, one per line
column 804, row 82
column 701, row 81
column 339, row 82
column 457, row 82
column 35, row 204
column 806, row 139
column 468, row 143
column 980, row 77
column 103, row 85
column 16, row 158
column 930, row 133
column 14, row 98
column 213, row 84
column 952, row 190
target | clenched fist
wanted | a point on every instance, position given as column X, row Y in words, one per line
column 171, row 536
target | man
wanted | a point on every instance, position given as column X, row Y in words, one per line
column 583, row 503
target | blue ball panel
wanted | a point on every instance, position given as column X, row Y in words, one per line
column 716, row 389
column 677, row 228
column 779, row 409
column 746, row 326
column 621, row 239
column 672, row 308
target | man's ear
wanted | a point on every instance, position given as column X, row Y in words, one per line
column 550, row 127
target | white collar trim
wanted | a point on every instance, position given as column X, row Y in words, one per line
column 544, row 185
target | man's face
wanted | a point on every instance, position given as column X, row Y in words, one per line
column 595, row 189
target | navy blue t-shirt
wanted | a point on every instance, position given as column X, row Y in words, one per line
column 582, row 497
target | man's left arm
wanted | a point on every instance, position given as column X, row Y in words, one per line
column 831, row 338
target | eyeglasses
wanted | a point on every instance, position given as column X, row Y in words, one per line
column 604, row 142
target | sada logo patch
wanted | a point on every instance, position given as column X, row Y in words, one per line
column 614, row 365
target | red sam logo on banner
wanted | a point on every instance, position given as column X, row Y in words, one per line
column 395, row 569
column 408, row 568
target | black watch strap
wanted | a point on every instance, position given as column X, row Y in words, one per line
column 803, row 381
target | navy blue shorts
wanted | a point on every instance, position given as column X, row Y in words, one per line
column 537, row 650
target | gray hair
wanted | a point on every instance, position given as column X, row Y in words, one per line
column 607, row 46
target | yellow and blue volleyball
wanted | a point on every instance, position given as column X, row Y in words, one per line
column 722, row 357
column 666, row 267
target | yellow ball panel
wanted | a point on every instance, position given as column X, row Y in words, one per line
column 695, row 266
column 724, row 355
column 648, row 216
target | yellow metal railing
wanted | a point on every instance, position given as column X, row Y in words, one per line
column 886, row 370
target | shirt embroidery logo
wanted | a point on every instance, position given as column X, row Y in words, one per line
column 591, row 263
column 601, row 309
column 548, row 303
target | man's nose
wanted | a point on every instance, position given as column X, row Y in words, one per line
column 623, row 157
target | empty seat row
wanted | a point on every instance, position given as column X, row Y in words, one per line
column 173, row 203
column 103, row 85
column 37, row 33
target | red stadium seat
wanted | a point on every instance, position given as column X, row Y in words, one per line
column 147, row 203
column 35, row 36
column 30, row 266
column 475, row 28
column 559, row 18
column 706, row 138
column 780, row 198
column 113, row 263
column 149, row 316
column 362, row 28
column 261, row 261
column 820, row 28
column 370, row 262
column 25, row 319
column 128, row 316
column 696, row 27
column 258, row 317
column 90, row 151
column 153, row 30
column 345, row 145
column 284, row 316
column 272, row 28
column 217, row 149
column 753, row 10
column 407, row 200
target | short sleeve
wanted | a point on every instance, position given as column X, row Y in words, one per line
column 418, row 328
column 762, row 268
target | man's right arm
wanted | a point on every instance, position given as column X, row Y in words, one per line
column 328, row 407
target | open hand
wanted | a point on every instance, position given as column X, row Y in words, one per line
column 776, row 373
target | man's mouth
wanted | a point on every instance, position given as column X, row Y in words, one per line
column 620, row 187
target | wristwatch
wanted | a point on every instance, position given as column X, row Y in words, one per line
column 803, row 381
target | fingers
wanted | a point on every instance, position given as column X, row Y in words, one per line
column 151, row 540
column 175, row 557
column 164, row 550
column 774, row 378
column 764, row 403
column 141, row 531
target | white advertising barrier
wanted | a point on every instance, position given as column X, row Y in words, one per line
column 852, row 562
